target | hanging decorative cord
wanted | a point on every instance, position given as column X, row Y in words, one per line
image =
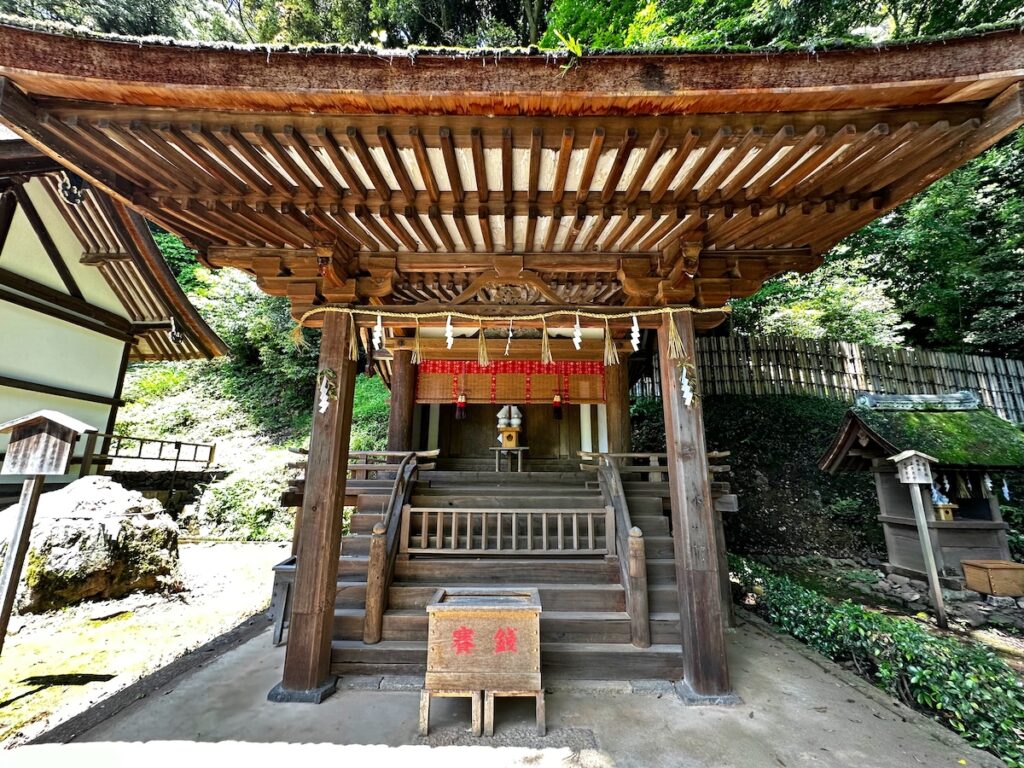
column 676, row 349
column 481, row 349
column 611, row 354
column 417, row 352
column 545, row 343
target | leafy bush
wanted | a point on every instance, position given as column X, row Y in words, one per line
column 150, row 381
column 648, row 422
column 962, row 684
column 247, row 506
column 1015, row 517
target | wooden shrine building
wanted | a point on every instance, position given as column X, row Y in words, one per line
column 427, row 207
column 972, row 450
column 83, row 291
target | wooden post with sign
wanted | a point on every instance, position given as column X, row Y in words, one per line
column 41, row 444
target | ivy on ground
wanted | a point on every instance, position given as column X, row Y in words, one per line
column 961, row 684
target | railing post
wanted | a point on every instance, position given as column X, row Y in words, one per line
column 87, row 453
column 373, row 620
column 609, row 529
column 639, row 613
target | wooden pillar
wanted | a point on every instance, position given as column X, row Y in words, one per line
column 705, row 668
column 307, row 660
column 616, row 395
column 403, row 401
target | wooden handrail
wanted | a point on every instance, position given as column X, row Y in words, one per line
column 633, row 560
column 383, row 549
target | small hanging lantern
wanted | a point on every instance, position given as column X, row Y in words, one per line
column 460, row 406
column 556, row 406
column 914, row 467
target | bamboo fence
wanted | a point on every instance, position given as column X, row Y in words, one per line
column 779, row 365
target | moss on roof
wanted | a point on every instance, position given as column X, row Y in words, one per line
column 809, row 47
column 956, row 438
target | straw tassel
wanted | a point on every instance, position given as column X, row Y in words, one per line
column 353, row 338
column 676, row 350
column 298, row 338
column 481, row 349
column 417, row 351
column 545, row 344
column 611, row 354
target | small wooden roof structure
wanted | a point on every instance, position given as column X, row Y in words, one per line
column 117, row 242
column 55, row 417
column 377, row 177
column 954, row 429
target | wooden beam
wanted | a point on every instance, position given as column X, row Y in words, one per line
column 50, row 248
column 650, row 158
column 8, row 204
column 611, row 182
column 419, row 149
column 46, row 389
column 395, row 162
column 476, row 144
column 451, row 164
column 308, row 655
column 562, row 165
column 705, row 667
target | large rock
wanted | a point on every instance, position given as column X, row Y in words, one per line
column 94, row 539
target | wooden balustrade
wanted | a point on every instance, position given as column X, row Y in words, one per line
column 453, row 530
column 384, row 542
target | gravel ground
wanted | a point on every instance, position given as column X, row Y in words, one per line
column 58, row 664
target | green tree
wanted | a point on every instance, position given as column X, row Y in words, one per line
column 124, row 17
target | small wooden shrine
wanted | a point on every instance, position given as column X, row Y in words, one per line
column 972, row 449
column 496, row 230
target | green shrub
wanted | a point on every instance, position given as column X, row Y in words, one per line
column 148, row 381
column 962, row 684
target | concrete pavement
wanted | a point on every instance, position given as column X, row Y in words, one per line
column 798, row 710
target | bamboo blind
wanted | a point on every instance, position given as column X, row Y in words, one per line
column 779, row 365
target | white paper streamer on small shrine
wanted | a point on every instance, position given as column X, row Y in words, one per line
column 1006, row 489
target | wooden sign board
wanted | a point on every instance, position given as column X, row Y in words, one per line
column 484, row 639
column 41, row 443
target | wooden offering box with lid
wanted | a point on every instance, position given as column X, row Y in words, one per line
column 483, row 640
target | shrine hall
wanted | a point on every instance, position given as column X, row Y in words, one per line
column 510, row 239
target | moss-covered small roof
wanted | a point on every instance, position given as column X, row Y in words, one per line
column 956, row 438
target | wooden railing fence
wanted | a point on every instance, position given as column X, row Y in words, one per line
column 781, row 365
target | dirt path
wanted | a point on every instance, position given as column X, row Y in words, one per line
column 58, row 664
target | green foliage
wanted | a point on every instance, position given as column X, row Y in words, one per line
column 957, row 438
column 962, row 684
column 124, row 17
column 953, row 256
column 842, row 300
column 370, row 412
column 151, row 381
column 787, row 504
column 248, row 507
column 601, row 24
column 180, row 258
column 1014, row 517
column 648, row 421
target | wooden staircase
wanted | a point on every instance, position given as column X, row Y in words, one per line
column 585, row 628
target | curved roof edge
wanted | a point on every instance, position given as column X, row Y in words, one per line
column 356, row 80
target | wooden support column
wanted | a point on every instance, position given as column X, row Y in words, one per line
column 307, row 661
column 616, row 394
column 705, row 668
column 403, row 401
